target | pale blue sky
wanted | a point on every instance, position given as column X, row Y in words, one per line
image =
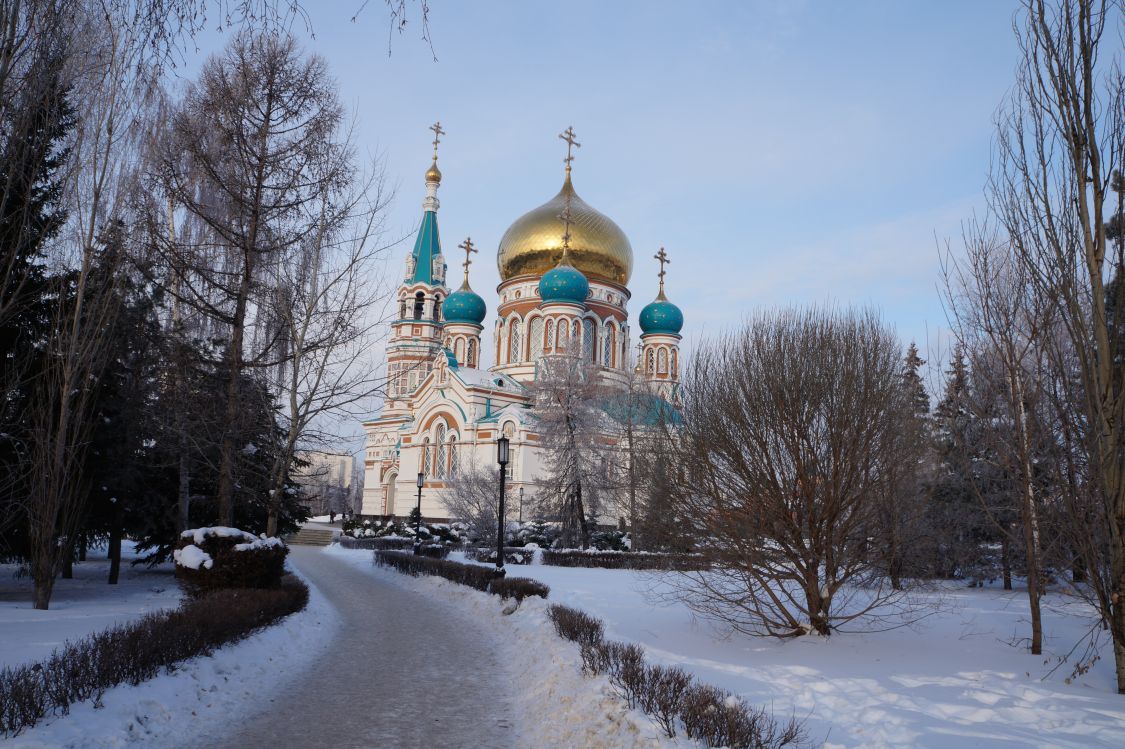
column 782, row 152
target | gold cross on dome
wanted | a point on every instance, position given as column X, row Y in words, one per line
column 565, row 218
column 467, row 246
column 569, row 136
column 438, row 132
column 662, row 258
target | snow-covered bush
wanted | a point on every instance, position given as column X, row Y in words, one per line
column 512, row 554
column 623, row 560
column 609, row 540
column 221, row 557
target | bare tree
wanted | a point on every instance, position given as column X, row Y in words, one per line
column 252, row 156
column 1061, row 136
column 1000, row 322
column 473, row 498
column 791, row 428
column 573, row 427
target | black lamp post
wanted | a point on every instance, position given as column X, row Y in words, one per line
column 418, row 520
column 502, row 459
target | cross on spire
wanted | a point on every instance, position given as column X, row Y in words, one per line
column 438, row 132
column 467, row 246
column 565, row 218
column 569, row 136
column 662, row 258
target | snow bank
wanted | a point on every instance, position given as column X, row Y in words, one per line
column 960, row 678
column 556, row 705
column 200, row 699
column 197, row 535
column 81, row 606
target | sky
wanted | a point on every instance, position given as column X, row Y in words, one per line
column 785, row 153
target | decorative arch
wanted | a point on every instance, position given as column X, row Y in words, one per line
column 471, row 356
column 515, row 341
column 551, row 335
column 589, row 340
column 662, row 361
column 650, row 362
column 535, row 338
column 675, row 363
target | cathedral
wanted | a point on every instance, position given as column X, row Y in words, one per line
column 564, row 285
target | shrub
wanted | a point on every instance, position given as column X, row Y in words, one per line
column 623, row 560
column 613, row 540
column 518, row 588
column 217, row 558
column 669, row 694
column 134, row 652
column 663, row 696
column 512, row 554
column 375, row 542
column 576, row 626
column 472, row 575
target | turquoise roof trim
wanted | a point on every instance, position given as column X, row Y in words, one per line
column 427, row 246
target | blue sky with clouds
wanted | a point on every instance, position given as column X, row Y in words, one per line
column 783, row 152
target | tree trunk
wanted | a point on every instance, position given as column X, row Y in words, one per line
column 183, row 515
column 234, row 391
column 1006, row 560
column 68, row 562
column 115, row 549
column 83, row 545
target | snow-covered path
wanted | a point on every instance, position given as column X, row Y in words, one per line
column 404, row 671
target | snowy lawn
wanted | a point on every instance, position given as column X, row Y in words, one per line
column 556, row 706
column 201, row 699
column 955, row 680
column 81, row 606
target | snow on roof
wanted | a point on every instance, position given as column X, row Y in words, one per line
column 484, row 379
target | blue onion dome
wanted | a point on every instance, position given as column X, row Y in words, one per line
column 464, row 306
column 661, row 317
column 564, row 283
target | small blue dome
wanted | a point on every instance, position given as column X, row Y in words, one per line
column 564, row 283
column 661, row 316
column 464, row 306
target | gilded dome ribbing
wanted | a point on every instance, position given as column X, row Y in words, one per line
column 533, row 244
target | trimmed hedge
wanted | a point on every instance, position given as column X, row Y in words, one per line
column 472, row 575
column 624, row 560
column 235, row 559
column 135, row 652
column 375, row 543
column 512, row 554
column 712, row 716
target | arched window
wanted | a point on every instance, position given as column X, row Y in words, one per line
column 575, row 332
column 563, row 329
column 439, row 444
column 622, row 359
column 535, row 330
column 459, row 350
column 609, row 343
column 426, row 457
column 472, row 357
column 419, row 305
column 675, row 364
column 402, row 309
column 650, row 362
column 550, row 335
column 588, row 340
column 515, row 341
column 454, row 456
column 499, row 336
column 510, row 433
column 437, row 308
column 662, row 361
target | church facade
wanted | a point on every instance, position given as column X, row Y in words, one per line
column 564, row 270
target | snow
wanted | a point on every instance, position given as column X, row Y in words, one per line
column 193, row 557
column 960, row 678
column 81, row 606
column 197, row 535
column 556, row 706
column 198, row 702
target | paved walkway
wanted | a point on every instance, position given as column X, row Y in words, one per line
column 403, row 672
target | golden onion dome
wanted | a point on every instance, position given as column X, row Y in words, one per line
column 533, row 244
column 433, row 174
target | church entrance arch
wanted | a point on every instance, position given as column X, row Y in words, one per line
column 389, row 508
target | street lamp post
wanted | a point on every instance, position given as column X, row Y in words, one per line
column 418, row 520
column 502, row 459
